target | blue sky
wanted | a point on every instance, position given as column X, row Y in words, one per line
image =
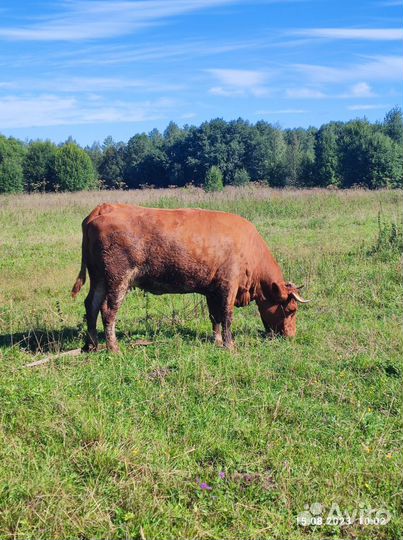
column 95, row 68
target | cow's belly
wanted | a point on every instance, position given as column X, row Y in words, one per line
column 165, row 287
column 160, row 267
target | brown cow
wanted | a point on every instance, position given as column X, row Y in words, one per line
column 217, row 254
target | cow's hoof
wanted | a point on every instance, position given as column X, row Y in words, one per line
column 113, row 349
column 89, row 348
column 230, row 346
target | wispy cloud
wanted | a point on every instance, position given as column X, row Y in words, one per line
column 359, row 90
column 18, row 112
column 281, row 111
column 188, row 116
column 97, row 84
column 53, row 110
column 368, row 34
column 304, row 93
column 123, row 54
column 242, row 78
column 238, row 82
column 378, row 68
column 391, row 3
column 77, row 20
column 366, row 107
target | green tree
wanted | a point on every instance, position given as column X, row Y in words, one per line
column 74, row 170
column 393, row 125
column 369, row 157
column 11, row 165
column 294, row 156
column 145, row 161
column 108, row 142
column 95, row 151
column 385, row 162
column 175, row 145
column 241, row 177
column 237, row 135
column 111, row 168
column 214, row 180
column 39, row 166
column 266, row 154
column 327, row 155
column 300, row 156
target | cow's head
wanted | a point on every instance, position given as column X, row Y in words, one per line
column 278, row 308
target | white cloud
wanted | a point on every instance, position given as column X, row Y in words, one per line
column 18, row 112
column 53, row 110
column 188, row 116
column 114, row 55
column 358, row 90
column 241, row 78
column 227, row 92
column 378, row 68
column 391, row 3
column 239, row 82
column 366, row 107
column 282, row 111
column 76, row 20
column 361, row 90
column 304, row 93
column 367, row 34
column 91, row 85
column 83, row 20
column 102, row 84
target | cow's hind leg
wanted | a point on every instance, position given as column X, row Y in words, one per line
column 92, row 304
column 216, row 317
column 109, row 309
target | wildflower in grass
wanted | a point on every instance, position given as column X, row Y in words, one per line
column 205, row 486
column 221, row 474
column 389, row 455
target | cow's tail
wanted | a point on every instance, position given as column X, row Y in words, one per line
column 83, row 270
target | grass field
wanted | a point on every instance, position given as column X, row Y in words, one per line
column 181, row 439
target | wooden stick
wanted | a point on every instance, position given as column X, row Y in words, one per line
column 73, row 352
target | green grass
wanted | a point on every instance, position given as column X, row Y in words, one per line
column 107, row 446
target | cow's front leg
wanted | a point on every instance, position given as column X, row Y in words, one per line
column 227, row 323
column 221, row 307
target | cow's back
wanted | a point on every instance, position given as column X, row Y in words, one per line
column 181, row 250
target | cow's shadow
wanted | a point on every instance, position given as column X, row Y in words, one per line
column 44, row 340
column 36, row 340
column 41, row 340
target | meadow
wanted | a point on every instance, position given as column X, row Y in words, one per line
column 182, row 439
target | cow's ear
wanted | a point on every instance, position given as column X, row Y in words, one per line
column 279, row 291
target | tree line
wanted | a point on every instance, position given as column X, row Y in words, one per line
column 216, row 153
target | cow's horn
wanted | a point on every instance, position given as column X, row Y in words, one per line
column 299, row 298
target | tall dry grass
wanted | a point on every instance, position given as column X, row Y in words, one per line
column 183, row 196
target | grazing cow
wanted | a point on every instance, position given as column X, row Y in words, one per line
column 217, row 254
